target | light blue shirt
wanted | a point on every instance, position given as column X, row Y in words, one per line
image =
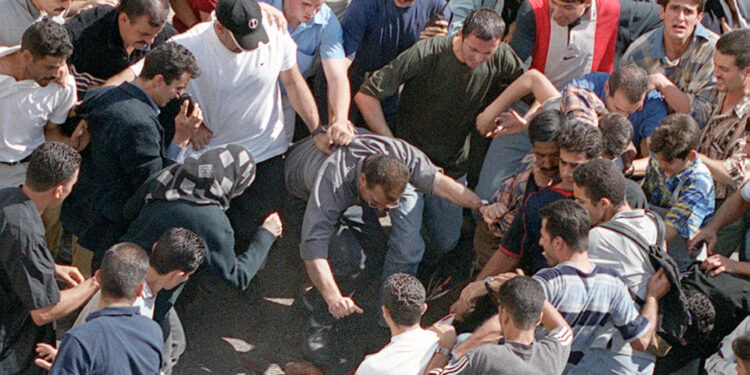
column 323, row 33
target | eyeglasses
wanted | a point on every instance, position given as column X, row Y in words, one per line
column 372, row 202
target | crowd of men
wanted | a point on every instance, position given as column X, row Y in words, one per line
column 599, row 150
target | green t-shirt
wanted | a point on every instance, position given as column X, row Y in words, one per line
column 442, row 96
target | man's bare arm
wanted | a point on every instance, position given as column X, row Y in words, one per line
column 321, row 276
column 372, row 111
column 70, row 300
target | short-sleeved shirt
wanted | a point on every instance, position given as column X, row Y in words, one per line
column 407, row 354
column 544, row 356
column 239, row 93
column 689, row 195
column 321, row 34
column 26, row 108
column 331, row 183
column 115, row 340
column 442, row 96
column 592, row 303
column 692, row 72
column 725, row 138
column 521, row 240
column 15, row 17
column 27, row 281
column 644, row 121
column 378, row 31
column 98, row 52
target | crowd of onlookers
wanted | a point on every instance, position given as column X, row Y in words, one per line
column 597, row 149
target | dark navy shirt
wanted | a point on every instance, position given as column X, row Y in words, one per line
column 114, row 340
column 378, row 30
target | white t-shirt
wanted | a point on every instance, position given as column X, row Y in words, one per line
column 239, row 93
column 145, row 304
column 406, row 354
column 723, row 361
column 25, row 108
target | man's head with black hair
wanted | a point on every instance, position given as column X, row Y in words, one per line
column 123, row 272
column 741, row 349
column 52, row 172
column 626, row 89
column 167, row 70
column 403, row 299
column 140, row 21
column 617, row 132
column 522, row 298
column 544, row 131
column 600, row 188
column 382, row 181
column 674, row 142
column 45, row 48
column 176, row 255
column 732, row 62
column 565, row 229
column 579, row 143
column 479, row 38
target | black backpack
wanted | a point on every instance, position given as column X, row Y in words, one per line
column 675, row 317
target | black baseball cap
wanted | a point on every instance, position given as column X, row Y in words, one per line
column 244, row 19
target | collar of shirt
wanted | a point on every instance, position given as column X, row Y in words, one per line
column 657, row 41
column 113, row 311
column 32, row 9
column 410, row 335
column 318, row 19
column 150, row 101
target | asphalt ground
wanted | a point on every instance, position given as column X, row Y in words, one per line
column 260, row 330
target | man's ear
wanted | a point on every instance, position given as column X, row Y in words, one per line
column 97, row 277
column 139, row 291
column 605, row 202
column 424, row 308
column 57, row 191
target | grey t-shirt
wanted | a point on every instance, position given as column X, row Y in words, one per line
column 15, row 17
column 547, row 356
column 331, row 183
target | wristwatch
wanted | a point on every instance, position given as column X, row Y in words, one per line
column 487, row 286
column 320, row 129
column 445, row 351
column 482, row 203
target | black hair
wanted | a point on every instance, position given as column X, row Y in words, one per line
column 47, row 38
column 403, row 297
column 602, row 179
column 700, row 3
column 578, row 137
column 170, row 60
column 676, row 135
column 388, row 172
column 546, row 126
column 567, row 219
column 51, row 164
column 156, row 10
column 178, row 249
column 631, row 79
column 741, row 347
column 484, row 24
column 735, row 43
column 123, row 270
column 523, row 297
column 617, row 132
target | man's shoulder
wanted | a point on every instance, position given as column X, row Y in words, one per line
column 92, row 20
column 16, row 209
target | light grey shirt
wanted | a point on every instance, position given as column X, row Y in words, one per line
column 15, row 17
column 331, row 183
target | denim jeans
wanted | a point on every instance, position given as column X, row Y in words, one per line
column 420, row 222
column 502, row 160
